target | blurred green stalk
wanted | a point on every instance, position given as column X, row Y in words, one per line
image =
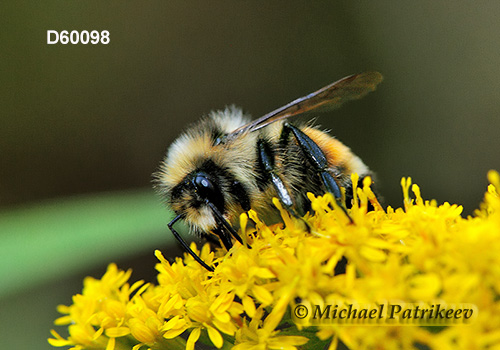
column 54, row 238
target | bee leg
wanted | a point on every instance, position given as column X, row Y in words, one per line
column 266, row 160
column 318, row 159
column 185, row 245
column 219, row 231
column 223, row 222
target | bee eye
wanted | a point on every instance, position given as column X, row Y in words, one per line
column 203, row 184
column 208, row 190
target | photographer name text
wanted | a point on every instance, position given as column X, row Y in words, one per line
column 388, row 313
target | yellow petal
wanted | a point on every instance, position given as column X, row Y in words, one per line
column 248, row 306
column 58, row 341
column 262, row 295
column 261, row 272
column 115, row 332
column 215, row 337
column 64, row 320
column 111, row 344
column 424, row 287
column 372, row 254
column 141, row 332
column 286, row 341
column 173, row 333
column 225, row 327
column 193, row 338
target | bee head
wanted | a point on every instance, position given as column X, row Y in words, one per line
column 199, row 190
column 208, row 187
column 201, row 174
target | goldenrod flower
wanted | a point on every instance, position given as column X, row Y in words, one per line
column 423, row 253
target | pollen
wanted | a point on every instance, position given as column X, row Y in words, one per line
column 420, row 253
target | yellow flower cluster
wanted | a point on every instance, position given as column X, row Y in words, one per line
column 422, row 252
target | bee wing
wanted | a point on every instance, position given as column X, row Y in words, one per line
column 325, row 99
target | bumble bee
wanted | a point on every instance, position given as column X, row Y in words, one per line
column 227, row 164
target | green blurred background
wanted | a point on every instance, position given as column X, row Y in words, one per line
column 82, row 127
